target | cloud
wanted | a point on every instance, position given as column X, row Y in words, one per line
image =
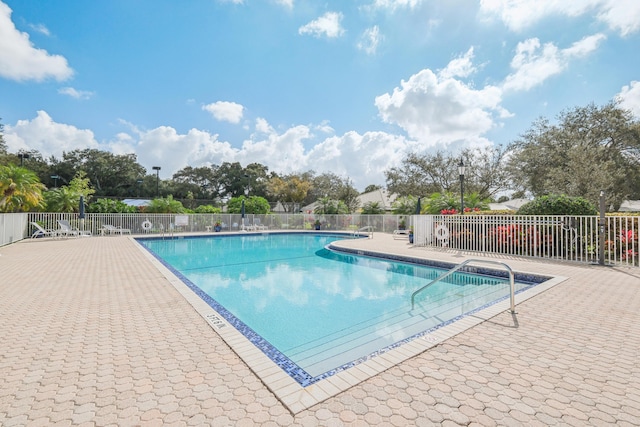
column 20, row 60
column 622, row 16
column 438, row 109
column 459, row 67
column 46, row 136
column 328, row 25
column 395, row 4
column 286, row 3
column 282, row 152
column 629, row 98
column 40, row 28
column 77, row 94
column 533, row 63
column 369, row 40
column 225, row 111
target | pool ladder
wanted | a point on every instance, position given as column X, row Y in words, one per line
column 446, row 274
column 367, row 228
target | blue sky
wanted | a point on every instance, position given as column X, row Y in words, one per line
column 348, row 87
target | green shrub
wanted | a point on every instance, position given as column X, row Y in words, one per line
column 207, row 209
column 558, row 205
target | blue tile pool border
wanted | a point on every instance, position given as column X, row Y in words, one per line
column 291, row 368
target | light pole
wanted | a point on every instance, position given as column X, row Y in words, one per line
column 601, row 229
column 22, row 157
column 55, row 180
column 461, row 172
column 139, row 182
column 246, row 193
column 157, row 169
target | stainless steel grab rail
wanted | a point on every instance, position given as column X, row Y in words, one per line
column 512, row 285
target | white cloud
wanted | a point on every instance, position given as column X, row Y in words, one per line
column 369, row 40
column 47, row 136
column 283, row 152
column 533, row 63
column 328, row 25
column 74, row 93
column 20, row 60
column 225, row 111
column 395, row 4
column 437, row 109
column 285, row 3
column 40, row 28
column 459, row 67
column 622, row 16
column 629, row 98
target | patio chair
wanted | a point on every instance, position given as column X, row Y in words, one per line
column 42, row 232
column 67, row 230
column 401, row 234
column 110, row 229
column 257, row 225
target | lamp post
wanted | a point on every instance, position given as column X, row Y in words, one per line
column 601, row 229
column 246, row 193
column 55, row 180
column 461, row 172
column 139, row 182
column 22, row 157
column 157, row 169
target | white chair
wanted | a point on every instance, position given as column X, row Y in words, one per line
column 110, row 229
column 42, row 232
column 67, row 230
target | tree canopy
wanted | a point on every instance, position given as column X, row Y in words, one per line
column 588, row 150
column 425, row 174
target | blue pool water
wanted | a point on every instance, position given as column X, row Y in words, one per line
column 313, row 310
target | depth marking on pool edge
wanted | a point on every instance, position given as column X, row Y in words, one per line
column 215, row 321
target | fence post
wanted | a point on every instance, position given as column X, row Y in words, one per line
column 601, row 230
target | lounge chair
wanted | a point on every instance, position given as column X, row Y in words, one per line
column 257, row 225
column 401, row 234
column 42, row 232
column 67, row 230
column 110, row 229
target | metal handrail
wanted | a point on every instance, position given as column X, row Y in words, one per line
column 367, row 228
column 463, row 264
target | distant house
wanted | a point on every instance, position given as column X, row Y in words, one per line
column 509, row 205
column 381, row 196
column 630, row 206
column 138, row 203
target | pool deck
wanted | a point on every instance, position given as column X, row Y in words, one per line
column 94, row 333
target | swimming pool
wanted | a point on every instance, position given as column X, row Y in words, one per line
column 314, row 311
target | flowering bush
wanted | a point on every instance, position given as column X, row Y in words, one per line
column 448, row 212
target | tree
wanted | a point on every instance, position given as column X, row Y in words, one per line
column 372, row 208
column 67, row 198
column 252, row 205
column 165, row 205
column 334, row 187
column 290, row 190
column 590, row 149
column 3, row 145
column 327, row 206
column 404, row 205
column 371, row 187
column 110, row 174
column 20, row 189
column 421, row 175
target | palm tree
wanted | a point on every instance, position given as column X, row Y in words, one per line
column 20, row 189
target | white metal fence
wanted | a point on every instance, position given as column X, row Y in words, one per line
column 12, row 227
column 143, row 223
column 550, row 237
column 572, row 238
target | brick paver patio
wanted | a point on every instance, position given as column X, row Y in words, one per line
column 91, row 333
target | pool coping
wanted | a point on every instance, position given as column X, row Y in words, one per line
column 298, row 398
